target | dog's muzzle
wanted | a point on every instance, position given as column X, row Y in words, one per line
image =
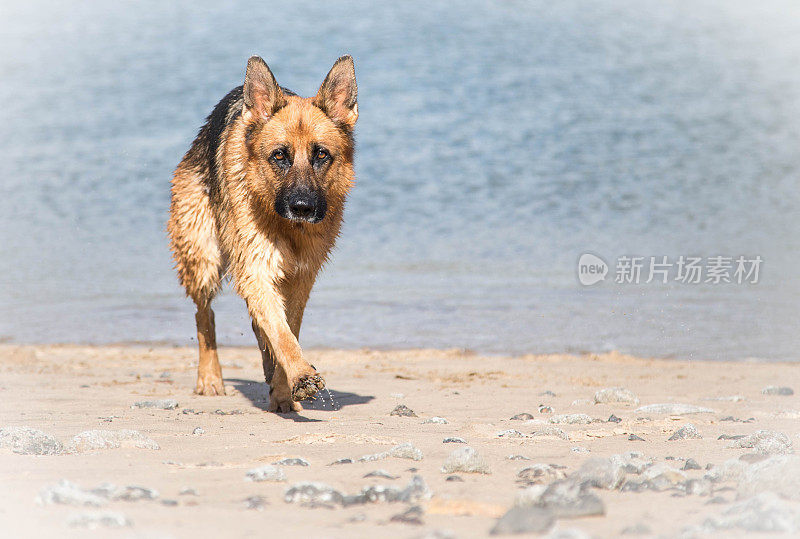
column 301, row 204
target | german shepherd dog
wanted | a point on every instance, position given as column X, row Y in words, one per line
column 259, row 197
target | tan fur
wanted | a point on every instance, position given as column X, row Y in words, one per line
column 272, row 261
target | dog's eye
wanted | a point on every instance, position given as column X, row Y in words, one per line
column 322, row 155
column 278, row 155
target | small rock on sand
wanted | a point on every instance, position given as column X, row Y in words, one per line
column 98, row 519
column 436, row 420
column 292, row 462
column 29, row 441
column 403, row 451
column 109, row 439
column 777, row 390
column 454, row 440
column 467, row 460
column 198, row 431
column 67, row 493
column 551, row 431
column 765, row 442
column 763, row 513
column 313, row 494
column 616, row 395
column 691, row 464
column 571, row 419
column 161, row 404
column 381, row 473
column 686, row 432
column 528, row 519
column 614, row 419
column 412, row 515
column 266, row 473
column 524, row 416
column 540, row 473
column 255, row 502
column 403, row 411
column 510, row 433
column 672, row 408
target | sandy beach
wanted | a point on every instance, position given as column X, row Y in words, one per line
column 192, row 461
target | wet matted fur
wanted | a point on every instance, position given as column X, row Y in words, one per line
column 259, row 197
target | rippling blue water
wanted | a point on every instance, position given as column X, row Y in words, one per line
column 497, row 141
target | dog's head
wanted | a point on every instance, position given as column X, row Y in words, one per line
column 300, row 150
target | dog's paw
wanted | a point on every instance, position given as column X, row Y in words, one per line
column 280, row 401
column 307, row 386
column 210, row 385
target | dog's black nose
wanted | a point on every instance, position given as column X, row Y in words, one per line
column 302, row 206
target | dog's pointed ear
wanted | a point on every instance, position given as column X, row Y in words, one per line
column 262, row 95
column 338, row 94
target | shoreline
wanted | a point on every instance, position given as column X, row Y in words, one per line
column 64, row 390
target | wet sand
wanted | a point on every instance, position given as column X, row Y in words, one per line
column 65, row 390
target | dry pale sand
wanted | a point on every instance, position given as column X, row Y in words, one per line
column 63, row 390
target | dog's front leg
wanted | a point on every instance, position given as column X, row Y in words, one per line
column 294, row 379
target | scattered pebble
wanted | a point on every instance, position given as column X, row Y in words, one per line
column 98, row 519
column 565, row 498
column 673, row 409
column 571, row 419
column 436, row 420
column 381, row 473
column 524, row 416
column 776, row 390
column 686, row 432
column 544, row 409
column 456, row 478
column 635, row 438
column 510, row 433
column 321, row 495
column 600, row 472
column 198, row 431
column 691, row 464
column 454, row 440
column 779, row 474
column 266, row 473
column 412, row 515
column 467, row 460
column 403, row 451
column 724, row 436
column 614, row 419
column 637, row 529
column 109, row 439
column 765, row 442
column 188, row 411
column 517, row 457
column 737, row 420
column 345, row 460
column 616, row 395
column 255, row 502
column 292, row 462
column 29, row 441
column 403, row 411
column 524, row 519
column 67, row 493
column 231, row 412
column 763, row 513
column 551, row 431
column 540, row 473
column 169, row 503
column 579, row 449
column 161, row 404
column 547, row 393
column 188, row 491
